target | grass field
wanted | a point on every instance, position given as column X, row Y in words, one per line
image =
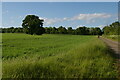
column 113, row 37
column 56, row 56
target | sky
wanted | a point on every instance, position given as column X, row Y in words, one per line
column 60, row 0
column 0, row 14
column 55, row 14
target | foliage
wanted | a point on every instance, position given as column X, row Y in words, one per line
column 53, row 30
column 79, row 31
column 62, row 30
column 12, row 30
column 82, row 30
column 112, row 29
column 33, row 25
column 70, row 30
column 113, row 37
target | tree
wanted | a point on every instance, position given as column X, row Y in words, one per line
column 48, row 30
column 98, row 31
column 112, row 29
column 33, row 25
column 62, row 30
column 106, row 30
column 82, row 31
column 70, row 30
column 54, row 30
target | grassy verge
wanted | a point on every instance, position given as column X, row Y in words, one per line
column 113, row 37
column 56, row 56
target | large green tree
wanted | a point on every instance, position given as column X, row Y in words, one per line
column 112, row 29
column 33, row 25
column 82, row 31
column 62, row 30
column 70, row 30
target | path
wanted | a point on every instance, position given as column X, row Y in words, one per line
column 114, row 46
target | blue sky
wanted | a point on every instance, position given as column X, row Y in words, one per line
column 60, row 0
column 0, row 14
column 55, row 14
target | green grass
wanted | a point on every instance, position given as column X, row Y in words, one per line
column 56, row 56
column 113, row 37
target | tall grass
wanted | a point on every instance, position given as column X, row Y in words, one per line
column 56, row 56
column 113, row 37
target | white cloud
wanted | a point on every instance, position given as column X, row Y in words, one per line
column 89, row 18
column 79, row 26
column 65, row 18
column 51, row 21
column 48, row 21
column 41, row 18
column 101, row 26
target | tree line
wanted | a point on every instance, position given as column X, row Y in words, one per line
column 112, row 29
column 60, row 30
column 78, row 31
column 33, row 25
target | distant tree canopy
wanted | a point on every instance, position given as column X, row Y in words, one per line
column 60, row 30
column 12, row 30
column 82, row 31
column 112, row 29
column 79, row 31
column 70, row 30
column 33, row 25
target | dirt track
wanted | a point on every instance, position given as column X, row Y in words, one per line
column 114, row 45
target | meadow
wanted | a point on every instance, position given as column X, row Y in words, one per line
column 56, row 56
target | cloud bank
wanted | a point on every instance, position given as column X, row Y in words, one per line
column 91, row 16
column 88, row 18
